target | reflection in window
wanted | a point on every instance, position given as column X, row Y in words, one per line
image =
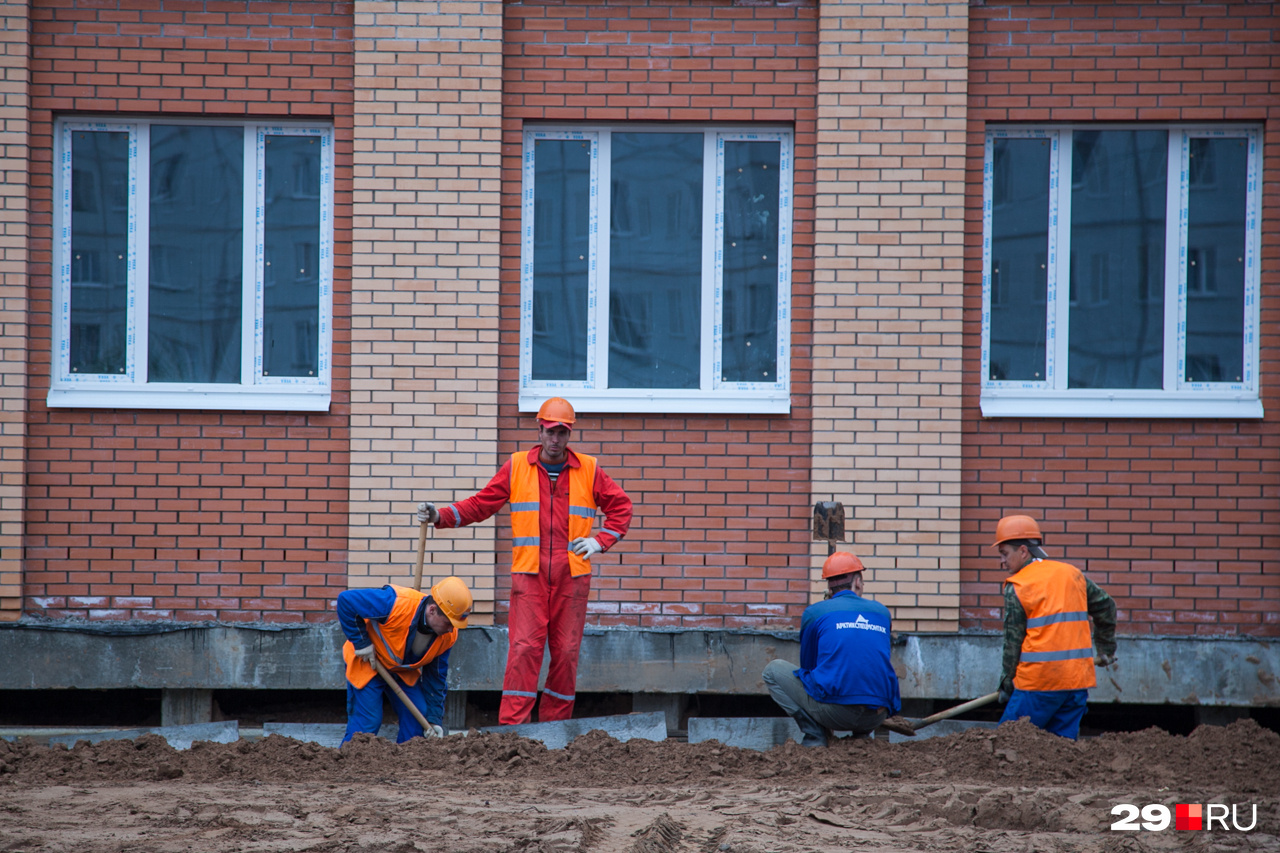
column 1215, row 260
column 655, row 244
column 99, row 252
column 196, row 240
column 1119, row 184
column 1019, row 252
column 750, row 315
column 291, row 263
column 562, row 187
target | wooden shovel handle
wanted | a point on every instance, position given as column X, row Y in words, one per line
column 957, row 710
column 428, row 730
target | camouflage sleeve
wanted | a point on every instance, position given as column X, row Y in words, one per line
column 1102, row 609
column 1015, row 631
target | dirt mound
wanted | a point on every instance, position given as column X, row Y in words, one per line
column 1007, row 790
column 1243, row 758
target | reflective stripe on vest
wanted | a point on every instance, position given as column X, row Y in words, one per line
column 1057, row 652
column 391, row 634
column 525, row 502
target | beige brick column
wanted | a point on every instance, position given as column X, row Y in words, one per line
column 14, row 212
column 424, row 313
column 887, row 295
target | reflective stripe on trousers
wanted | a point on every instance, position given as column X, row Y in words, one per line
column 548, row 610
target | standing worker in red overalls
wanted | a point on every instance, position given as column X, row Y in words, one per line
column 555, row 494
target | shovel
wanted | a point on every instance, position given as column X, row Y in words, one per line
column 908, row 728
column 428, row 730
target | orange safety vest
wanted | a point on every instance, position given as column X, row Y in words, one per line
column 526, row 506
column 1057, row 653
column 389, row 636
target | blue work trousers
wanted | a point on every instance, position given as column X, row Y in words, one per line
column 1056, row 711
column 364, row 708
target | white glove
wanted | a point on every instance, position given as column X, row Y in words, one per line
column 366, row 654
column 586, row 548
column 427, row 513
column 433, row 730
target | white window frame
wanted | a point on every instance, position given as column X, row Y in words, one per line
column 130, row 390
column 1178, row 398
column 713, row 394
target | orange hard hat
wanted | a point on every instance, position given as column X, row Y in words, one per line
column 1017, row 527
column 841, row 563
column 556, row 412
column 453, row 599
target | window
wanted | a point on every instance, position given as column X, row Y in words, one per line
column 193, row 265
column 656, row 269
column 1120, row 272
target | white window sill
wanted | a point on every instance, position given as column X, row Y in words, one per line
column 662, row 401
column 1119, row 404
column 193, row 397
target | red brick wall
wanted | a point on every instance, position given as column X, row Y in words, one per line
column 722, row 528
column 1178, row 519
column 186, row 515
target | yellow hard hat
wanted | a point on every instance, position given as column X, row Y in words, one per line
column 556, row 411
column 1016, row 527
column 453, row 599
column 840, row 563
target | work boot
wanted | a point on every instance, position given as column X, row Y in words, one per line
column 815, row 734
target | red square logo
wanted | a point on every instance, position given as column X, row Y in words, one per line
column 1188, row 816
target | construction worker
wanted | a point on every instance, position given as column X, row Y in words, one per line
column 555, row 494
column 845, row 681
column 1049, row 657
column 410, row 632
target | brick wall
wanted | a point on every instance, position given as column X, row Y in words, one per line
column 887, row 295
column 425, row 284
column 722, row 525
column 1179, row 520
column 185, row 515
column 14, row 212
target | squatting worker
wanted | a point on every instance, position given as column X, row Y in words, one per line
column 845, row 681
column 555, row 494
column 1048, row 650
column 411, row 633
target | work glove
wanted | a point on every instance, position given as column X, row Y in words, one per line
column 434, row 730
column 1006, row 692
column 427, row 513
column 366, row 654
column 585, row 547
column 1104, row 659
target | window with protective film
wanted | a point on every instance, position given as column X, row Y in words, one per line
column 656, row 269
column 193, row 265
column 1121, row 272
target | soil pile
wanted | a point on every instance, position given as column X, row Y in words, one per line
column 1011, row 788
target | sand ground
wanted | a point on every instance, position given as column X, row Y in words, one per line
column 1014, row 788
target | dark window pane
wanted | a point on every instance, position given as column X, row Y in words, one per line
column 99, row 251
column 196, row 253
column 655, row 268
column 291, row 256
column 1215, row 260
column 561, row 214
column 1019, row 258
column 750, row 252
column 1117, row 259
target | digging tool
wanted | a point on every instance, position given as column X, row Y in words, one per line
column 956, row 711
column 428, row 730
column 422, row 550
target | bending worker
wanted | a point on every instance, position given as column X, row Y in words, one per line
column 1048, row 650
column 554, row 495
column 411, row 633
column 845, row 681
